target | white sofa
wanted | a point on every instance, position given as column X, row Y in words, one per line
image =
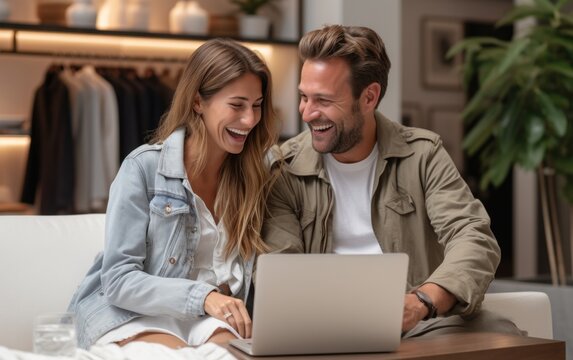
column 43, row 259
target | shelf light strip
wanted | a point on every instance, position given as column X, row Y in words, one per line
column 6, row 37
column 113, row 46
column 13, row 142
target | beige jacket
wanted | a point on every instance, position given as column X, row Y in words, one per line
column 420, row 206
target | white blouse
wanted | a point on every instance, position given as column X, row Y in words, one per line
column 209, row 266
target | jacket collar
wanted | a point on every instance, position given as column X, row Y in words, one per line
column 391, row 138
column 303, row 160
column 171, row 159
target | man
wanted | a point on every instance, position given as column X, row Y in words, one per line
column 356, row 182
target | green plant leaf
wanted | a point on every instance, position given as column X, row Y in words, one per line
column 560, row 101
column 553, row 115
column 560, row 68
column 531, row 79
column 474, row 43
column 521, row 12
column 532, row 157
column 535, row 129
column 513, row 52
column 498, row 170
column 560, row 3
column 251, row 7
column 546, row 5
column 567, row 19
column 485, row 96
column 476, row 105
column 556, row 40
column 509, row 125
column 491, row 54
column 482, row 131
column 563, row 165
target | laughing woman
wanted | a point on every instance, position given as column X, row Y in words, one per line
column 184, row 213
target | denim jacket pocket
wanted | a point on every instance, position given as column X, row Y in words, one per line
column 166, row 206
column 167, row 229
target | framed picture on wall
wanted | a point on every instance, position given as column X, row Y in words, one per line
column 438, row 36
column 448, row 123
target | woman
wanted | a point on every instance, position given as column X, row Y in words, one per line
column 184, row 213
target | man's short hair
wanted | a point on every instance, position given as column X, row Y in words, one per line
column 360, row 47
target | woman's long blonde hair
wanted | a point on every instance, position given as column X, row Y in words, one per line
column 244, row 178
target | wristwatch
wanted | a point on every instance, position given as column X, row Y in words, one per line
column 425, row 299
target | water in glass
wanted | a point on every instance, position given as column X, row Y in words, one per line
column 55, row 339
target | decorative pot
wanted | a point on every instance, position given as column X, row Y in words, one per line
column 253, row 27
column 175, row 16
column 112, row 15
column 52, row 12
column 4, row 10
column 137, row 14
column 82, row 13
column 188, row 17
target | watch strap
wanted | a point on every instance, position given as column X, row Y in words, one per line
column 427, row 301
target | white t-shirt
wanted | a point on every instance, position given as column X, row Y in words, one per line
column 352, row 220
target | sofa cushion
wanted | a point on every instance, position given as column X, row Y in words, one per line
column 42, row 260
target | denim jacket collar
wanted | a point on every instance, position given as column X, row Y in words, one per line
column 171, row 162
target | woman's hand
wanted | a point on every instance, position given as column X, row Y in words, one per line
column 230, row 310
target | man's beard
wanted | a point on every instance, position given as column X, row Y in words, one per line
column 347, row 139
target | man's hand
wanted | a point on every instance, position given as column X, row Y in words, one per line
column 414, row 311
column 230, row 310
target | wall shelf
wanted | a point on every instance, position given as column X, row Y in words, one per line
column 53, row 40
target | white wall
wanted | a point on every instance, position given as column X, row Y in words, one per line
column 317, row 13
column 384, row 17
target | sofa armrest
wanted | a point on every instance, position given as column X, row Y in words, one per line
column 529, row 310
column 43, row 260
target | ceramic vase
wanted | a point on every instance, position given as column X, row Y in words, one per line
column 82, row 13
column 137, row 15
column 112, row 15
column 4, row 10
column 188, row 17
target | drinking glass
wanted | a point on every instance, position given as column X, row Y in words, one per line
column 55, row 334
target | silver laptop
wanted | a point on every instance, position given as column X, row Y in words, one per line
column 327, row 303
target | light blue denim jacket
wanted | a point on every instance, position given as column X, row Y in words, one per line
column 152, row 231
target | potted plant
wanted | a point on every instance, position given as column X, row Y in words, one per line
column 522, row 112
column 251, row 24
